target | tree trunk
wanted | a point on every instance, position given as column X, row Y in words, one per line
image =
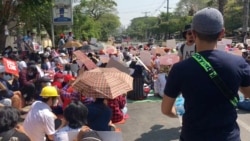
column 245, row 19
column 2, row 38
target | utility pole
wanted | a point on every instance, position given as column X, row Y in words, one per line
column 167, row 32
column 167, row 8
column 245, row 20
column 146, row 30
column 146, row 13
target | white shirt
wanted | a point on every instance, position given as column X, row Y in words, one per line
column 120, row 56
column 59, row 135
column 188, row 51
column 157, row 63
column 39, row 121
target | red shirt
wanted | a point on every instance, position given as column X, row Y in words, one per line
column 57, row 84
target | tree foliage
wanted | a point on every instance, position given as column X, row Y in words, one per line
column 97, row 8
column 184, row 7
column 13, row 12
column 140, row 27
column 95, row 18
column 109, row 23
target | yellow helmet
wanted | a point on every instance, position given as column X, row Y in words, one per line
column 49, row 91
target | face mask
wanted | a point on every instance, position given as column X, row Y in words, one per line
column 30, row 73
column 6, row 77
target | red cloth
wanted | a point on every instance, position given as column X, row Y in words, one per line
column 25, row 80
column 67, row 100
column 58, row 75
column 68, row 78
column 116, row 105
column 57, row 84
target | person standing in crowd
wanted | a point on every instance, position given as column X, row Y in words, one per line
column 138, row 80
column 70, row 37
column 209, row 115
column 188, row 48
column 61, row 43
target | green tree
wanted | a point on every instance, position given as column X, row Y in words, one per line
column 97, row 8
column 142, row 27
column 109, row 23
column 95, row 18
column 185, row 7
column 233, row 16
column 12, row 14
column 84, row 25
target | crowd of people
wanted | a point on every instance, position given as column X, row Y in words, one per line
column 45, row 83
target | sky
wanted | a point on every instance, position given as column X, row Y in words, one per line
column 129, row 9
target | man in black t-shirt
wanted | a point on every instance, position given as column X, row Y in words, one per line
column 209, row 115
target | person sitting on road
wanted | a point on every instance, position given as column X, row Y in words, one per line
column 10, row 129
column 99, row 116
column 116, row 105
column 9, row 96
column 58, row 80
column 75, row 115
column 28, row 79
column 40, row 120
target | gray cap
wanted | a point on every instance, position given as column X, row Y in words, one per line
column 208, row 21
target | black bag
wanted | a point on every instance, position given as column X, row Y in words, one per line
column 182, row 48
column 91, row 136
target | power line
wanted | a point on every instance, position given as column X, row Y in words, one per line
column 162, row 4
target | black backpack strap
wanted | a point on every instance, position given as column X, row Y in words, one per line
column 225, row 90
column 182, row 49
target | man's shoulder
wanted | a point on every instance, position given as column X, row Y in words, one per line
column 224, row 56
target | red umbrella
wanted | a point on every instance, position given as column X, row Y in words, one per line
column 84, row 60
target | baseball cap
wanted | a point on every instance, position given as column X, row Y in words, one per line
column 186, row 28
column 208, row 21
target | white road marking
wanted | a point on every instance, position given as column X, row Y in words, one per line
column 244, row 125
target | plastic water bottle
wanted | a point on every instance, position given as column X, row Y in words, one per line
column 179, row 105
column 241, row 96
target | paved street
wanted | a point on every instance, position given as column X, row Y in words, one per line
column 146, row 123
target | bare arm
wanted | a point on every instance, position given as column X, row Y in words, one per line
column 167, row 106
column 245, row 91
column 51, row 137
